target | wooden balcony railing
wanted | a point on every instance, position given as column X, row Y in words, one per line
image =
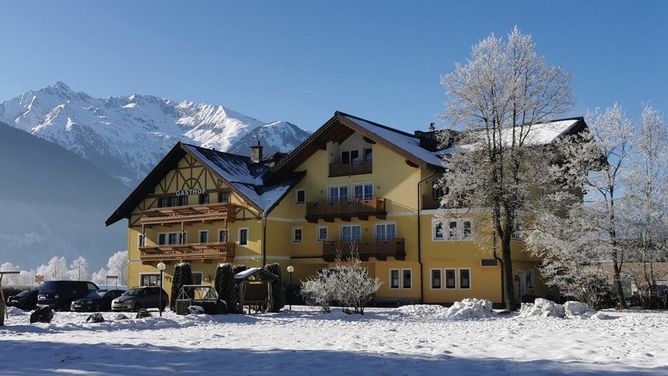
column 191, row 213
column 345, row 209
column 345, row 169
column 380, row 249
column 189, row 251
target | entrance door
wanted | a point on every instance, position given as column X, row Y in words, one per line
column 520, row 284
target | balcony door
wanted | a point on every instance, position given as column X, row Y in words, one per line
column 363, row 191
column 351, row 233
column 338, row 193
column 386, row 231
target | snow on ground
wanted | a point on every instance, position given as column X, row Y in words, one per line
column 407, row 341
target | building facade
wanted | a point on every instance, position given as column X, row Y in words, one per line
column 353, row 186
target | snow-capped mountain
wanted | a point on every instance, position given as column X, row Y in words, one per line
column 127, row 136
column 279, row 136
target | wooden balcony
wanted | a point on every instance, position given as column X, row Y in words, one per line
column 190, row 251
column 191, row 213
column 380, row 249
column 345, row 210
column 346, row 169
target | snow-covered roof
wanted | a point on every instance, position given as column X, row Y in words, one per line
column 534, row 135
column 246, row 176
column 405, row 141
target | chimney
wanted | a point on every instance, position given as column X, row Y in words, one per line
column 256, row 153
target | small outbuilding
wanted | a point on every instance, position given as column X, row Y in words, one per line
column 254, row 286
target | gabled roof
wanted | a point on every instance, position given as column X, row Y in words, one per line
column 244, row 176
column 342, row 125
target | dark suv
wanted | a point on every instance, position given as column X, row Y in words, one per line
column 140, row 297
column 60, row 294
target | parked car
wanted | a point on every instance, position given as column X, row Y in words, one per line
column 60, row 294
column 140, row 297
column 96, row 301
column 25, row 300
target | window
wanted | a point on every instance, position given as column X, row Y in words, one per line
column 183, row 237
column 338, row 193
column 224, row 196
column 436, row 279
column 162, row 239
column 386, row 231
column 452, row 229
column 243, row 236
column 406, row 278
column 464, row 278
column 203, row 236
column 531, row 279
column 450, row 279
column 350, row 156
column 300, row 196
column 394, row 278
column 322, row 233
column 438, row 231
column 181, row 201
column 203, row 199
column 222, row 236
column 489, row 262
column 149, row 279
column 368, row 154
column 363, row 191
column 141, row 240
column 172, row 238
column 518, row 232
column 297, row 234
column 351, row 232
column 197, row 277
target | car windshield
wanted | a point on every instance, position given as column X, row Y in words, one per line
column 134, row 292
column 95, row 294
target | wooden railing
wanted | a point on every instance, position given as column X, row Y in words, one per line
column 191, row 213
column 189, row 251
column 345, row 169
column 379, row 249
column 345, row 209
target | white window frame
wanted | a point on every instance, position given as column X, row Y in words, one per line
column 176, row 233
column 317, row 233
column 338, row 187
column 239, row 236
column 297, row 197
column 458, row 231
column 459, row 279
column 398, row 270
column 351, row 232
column 294, row 234
column 361, row 184
column 385, row 224
column 227, row 235
column 199, row 236
column 431, row 279
column 445, row 279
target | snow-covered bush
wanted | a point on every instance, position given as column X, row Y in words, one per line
column 224, row 285
column 277, row 292
column 182, row 276
column 542, row 307
column 349, row 284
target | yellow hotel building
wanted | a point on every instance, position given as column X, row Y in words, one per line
column 352, row 184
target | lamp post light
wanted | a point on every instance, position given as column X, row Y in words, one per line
column 290, row 270
column 161, row 267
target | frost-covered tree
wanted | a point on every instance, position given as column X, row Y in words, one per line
column 504, row 89
column 598, row 165
column 118, row 265
column 55, row 269
column 647, row 199
column 79, row 269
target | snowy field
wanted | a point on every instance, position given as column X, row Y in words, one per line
column 408, row 341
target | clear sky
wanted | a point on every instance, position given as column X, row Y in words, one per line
column 302, row 60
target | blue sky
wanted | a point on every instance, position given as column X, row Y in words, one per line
column 302, row 60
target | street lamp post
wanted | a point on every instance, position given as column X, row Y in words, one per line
column 290, row 269
column 161, row 267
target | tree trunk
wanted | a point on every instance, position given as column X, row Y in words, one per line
column 508, row 283
column 618, row 282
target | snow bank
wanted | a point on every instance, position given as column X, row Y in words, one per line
column 542, row 307
column 466, row 309
column 577, row 309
